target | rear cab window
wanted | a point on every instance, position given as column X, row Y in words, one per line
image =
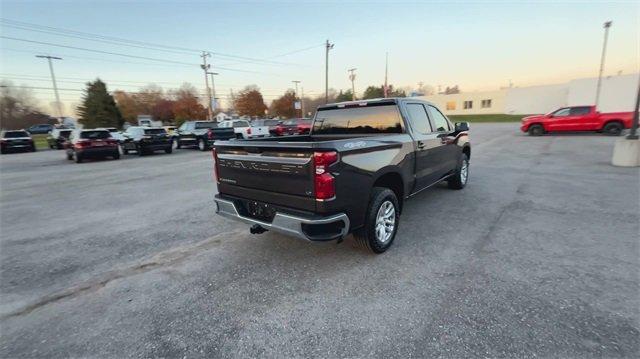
column 373, row 118
column 200, row 125
column 95, row 135
column 237, row 124
column 16, row 134
column 155, row 131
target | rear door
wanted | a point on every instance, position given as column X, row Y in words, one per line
column 426, row 143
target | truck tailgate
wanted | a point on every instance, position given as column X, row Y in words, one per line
column 287, row 171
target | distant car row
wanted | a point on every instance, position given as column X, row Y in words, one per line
column 109, row 142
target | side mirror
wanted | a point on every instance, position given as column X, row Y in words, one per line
column 462, row 126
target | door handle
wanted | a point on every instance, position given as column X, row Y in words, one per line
column 420, row 145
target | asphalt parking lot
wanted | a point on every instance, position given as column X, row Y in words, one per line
column 538, row 256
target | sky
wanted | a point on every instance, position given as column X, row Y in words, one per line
column 475, row 45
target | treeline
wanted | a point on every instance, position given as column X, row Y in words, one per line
column 19, row 109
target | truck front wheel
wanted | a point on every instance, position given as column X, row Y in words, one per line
column 536, row 130
column 381, row 221
column 461, row 176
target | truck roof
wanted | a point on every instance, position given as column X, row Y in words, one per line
column 377, row 101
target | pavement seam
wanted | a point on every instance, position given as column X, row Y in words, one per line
column 162, row 259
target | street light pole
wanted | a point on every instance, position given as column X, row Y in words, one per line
column 53, row 78
column 633, row 133
column 328, row 47
column 352, row 77
column 213, row 85
column 606, row 26
column 295, row 97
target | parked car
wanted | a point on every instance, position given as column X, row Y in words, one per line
column 145, row 140
column 286, row 127
column 304, row 126
column 243, row 129
column 201, row 134
column 40, row 129
column 19, row 140
column 577, row 118
column 272, row 124
column 351, row 174
column 94, row 143
column 57, row 137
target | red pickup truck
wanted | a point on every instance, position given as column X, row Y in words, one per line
column 577, row 118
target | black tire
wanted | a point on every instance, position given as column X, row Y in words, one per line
column 3, row 151
column 141, row 151
column 461, row 176
column 536, row 130
column 366, row 236
column 116, row 155
column 78, row 158
column 202, row 146
column 178, row 144
column 168, row 150
column 70, row 156
column 612, row 129
column 239, row 136
column 33, row 148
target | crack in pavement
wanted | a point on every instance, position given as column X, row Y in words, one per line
column 162, row 259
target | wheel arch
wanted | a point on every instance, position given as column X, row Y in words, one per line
column 393, row 180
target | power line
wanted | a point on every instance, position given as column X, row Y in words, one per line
column 132, row 56
column 125, row 42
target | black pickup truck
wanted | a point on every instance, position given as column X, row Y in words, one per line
column 201, row 134
column 351, row 174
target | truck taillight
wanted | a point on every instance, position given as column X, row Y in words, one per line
column 216, row 170
column 324, row 182
column 210, row 134
column 83, row 143
column 249, row 131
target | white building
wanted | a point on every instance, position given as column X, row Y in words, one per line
column 618, row 93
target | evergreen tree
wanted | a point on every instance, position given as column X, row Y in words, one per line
column 98, row 107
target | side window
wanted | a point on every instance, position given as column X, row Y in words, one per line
column 418, row 118
column 439, row 120
column 563, row 112
column 579, row 111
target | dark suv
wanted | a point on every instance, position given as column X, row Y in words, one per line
column 145, row 140
column 16, row 140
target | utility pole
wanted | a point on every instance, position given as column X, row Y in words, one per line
column 386, row 68
column 205, row 67
column 352, row 77
column 302, row 101
column 55, row 86
column 606, row 26
column 633, row 134
column 295, row 97
column 213, row 86
column 328, row 47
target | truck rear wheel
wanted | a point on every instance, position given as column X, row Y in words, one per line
column 612, row 129
column 381, row 221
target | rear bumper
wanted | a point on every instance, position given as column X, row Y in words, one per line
column 156, row 146
column 97, row 151
column 308, row 228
